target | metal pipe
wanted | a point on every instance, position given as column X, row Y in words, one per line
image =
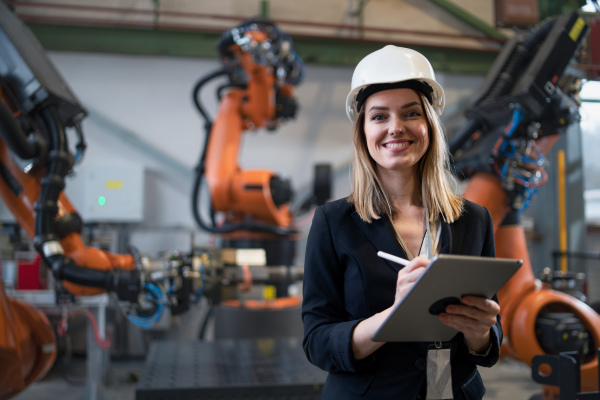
column 154, row 13
column 468, row 18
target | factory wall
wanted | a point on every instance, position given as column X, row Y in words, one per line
column 141, row 113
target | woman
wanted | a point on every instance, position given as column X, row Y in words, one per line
column 401, row 203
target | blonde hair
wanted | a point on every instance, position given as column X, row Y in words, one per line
column 436, row 179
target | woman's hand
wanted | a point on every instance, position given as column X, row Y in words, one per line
column 474, row 318
column 362, row 345
column 408, row 275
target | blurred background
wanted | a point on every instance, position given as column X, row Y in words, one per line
column 209, row 205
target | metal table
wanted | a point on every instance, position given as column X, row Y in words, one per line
column 229, row 369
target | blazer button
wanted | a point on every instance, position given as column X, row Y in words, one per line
column 421, row 364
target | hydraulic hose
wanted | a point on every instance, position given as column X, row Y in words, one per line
column 14, row 136
column 126, row 283
column 198, row 103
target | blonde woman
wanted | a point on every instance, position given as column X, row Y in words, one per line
column 402, row 203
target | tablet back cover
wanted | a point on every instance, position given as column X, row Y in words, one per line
column 446, row 280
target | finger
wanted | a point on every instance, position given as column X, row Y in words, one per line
column 419, row 262
column 409, row 276
column 468, row 326
column 416, row 263
column 482, row 303
column 472, row 323
column 487, row 317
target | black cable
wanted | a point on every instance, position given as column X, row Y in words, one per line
column 13, row 135
column 196, row 95
column 81, row 144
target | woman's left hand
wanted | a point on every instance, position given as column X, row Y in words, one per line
column 474, row 317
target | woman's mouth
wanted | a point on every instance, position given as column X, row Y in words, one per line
column 396, row 145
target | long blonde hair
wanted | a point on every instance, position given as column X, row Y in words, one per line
column 436, row 179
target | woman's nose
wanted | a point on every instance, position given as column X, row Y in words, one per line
column 396, row 126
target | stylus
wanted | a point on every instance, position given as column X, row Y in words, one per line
column 390, row 257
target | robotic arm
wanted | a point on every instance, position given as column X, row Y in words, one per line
column 531, row 87
column 263, row 68
column 36, row 109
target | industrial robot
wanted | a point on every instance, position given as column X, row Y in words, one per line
column 529, row 99
column 252, row 208
column 37, row 110
column 38, row 113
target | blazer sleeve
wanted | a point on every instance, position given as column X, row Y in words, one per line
column 327, row 332
column 489, row 250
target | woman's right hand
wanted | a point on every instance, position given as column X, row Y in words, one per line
column 362, row 345
column 408, row 275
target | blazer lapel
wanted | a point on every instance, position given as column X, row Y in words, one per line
column 446, row 238
column 382, row 236
column 452, row 237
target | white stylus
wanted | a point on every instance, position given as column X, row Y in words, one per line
column 387, row 256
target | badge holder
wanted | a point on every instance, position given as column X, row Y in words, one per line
column 439, row 374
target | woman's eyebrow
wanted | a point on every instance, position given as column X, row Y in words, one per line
column 378, row 108
column 410, row 104
column 407, row 105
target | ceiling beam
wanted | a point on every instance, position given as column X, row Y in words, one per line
column 180, row 43
column 469, row 18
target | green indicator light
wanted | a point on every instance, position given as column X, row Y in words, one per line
column 101, row 200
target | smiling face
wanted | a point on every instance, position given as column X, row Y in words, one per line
column 396, row 130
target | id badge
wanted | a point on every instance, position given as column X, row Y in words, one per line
column 439, row 375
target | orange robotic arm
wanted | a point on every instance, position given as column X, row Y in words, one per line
column 35, row 108
column 524, row 299
column 506, row 166
column 262, row 69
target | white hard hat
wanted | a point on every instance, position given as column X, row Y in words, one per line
column 393, row 64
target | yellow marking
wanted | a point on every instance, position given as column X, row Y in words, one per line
column 270, row 292
column 576, row 29
column 114, row 184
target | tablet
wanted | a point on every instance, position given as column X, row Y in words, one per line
column 445, row 280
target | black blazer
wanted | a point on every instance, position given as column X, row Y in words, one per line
column 345, row 282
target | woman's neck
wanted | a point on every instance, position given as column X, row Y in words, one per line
column 402, row 189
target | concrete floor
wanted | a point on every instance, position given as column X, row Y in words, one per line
column 507, row 380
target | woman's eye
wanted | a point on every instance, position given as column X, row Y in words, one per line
column 413, row 114
column 377, row 117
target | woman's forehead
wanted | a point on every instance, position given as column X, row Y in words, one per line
column 400, row 96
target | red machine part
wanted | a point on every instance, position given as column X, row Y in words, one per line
column 29, row 272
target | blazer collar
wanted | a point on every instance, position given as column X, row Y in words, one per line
column 383, row 237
